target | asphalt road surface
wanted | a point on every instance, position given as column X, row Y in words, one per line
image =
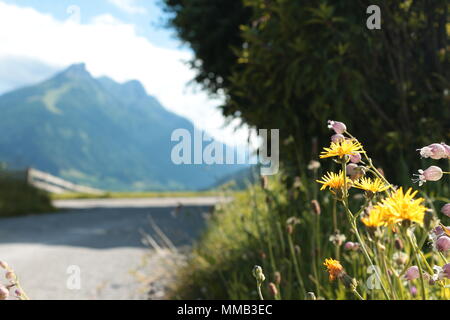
column 94, row 249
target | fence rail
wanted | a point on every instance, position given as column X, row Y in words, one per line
column 47, row 182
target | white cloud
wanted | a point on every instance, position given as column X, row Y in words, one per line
column 17, row 72
column 129, row 6
column 113, row 48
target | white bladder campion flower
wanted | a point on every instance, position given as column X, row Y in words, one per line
column 337, row 138
column 412, row 273
column 446, row 209
column 338, row 127
column 447, row 149
column 433, row 173
column 441, row 273
column 443, row 244
column 434, row 151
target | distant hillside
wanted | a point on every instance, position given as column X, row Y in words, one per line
column 99, row 133
column 240, row 179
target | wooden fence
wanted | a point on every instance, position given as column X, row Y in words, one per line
column 47, row 182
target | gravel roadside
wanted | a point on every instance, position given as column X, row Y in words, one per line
column 98, row 249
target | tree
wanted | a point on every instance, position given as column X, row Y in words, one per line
column 302, row 62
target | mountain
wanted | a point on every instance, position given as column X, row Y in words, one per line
column 240, row 179
column 99, row 133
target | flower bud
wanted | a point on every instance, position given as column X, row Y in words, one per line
column 400, row 258
column 10, row 275
column 336, row 138
column 434, row 151
column 412, row 273
column 337, row 239
column 349, row 245
column 297, row 183
column 433, row 173
column 293, row 221
column 443, row 244
column 349, row 282
column 446, row 270
column 290, row 229
column 313, row 165
column 258, row 274
column 4, row 292
column 350, row 168
column 354, row 171
column 398, row 244
column 446, row 209
column 18, row 293
column 413, row 291
column 315, row 207
column 273, row 289
column 3, row 265
column 355, row 158
column 353, row 246
column 310, row 296
column 264, row 182
column 277, row 277
column 437, row 232
column 337, row 126
column 447, row 150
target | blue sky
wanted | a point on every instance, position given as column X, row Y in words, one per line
column 150, row 23
column 122, row 39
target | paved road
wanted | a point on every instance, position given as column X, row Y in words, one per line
column 101, row 240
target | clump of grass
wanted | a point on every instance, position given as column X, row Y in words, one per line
column 231, row 241
column 18, row 198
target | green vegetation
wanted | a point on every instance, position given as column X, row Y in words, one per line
column 18, row 198
column 221, row 262
column 278, row 229
column 298, row 63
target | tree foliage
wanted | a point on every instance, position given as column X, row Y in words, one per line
column 302, row 62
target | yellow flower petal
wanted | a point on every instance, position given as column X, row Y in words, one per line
column 342, row 148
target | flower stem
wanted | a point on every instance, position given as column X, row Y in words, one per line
column 356, row 293
column 335, row 227
column 352, row 221
column 369, row 260
column 258, row 287
column 297, row 268
column 419, row 265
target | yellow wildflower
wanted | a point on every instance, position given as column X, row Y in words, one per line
column 333, row 181
column 367, row 184
column 342, row 148
column 334, row 268
column 401, row 206
column 375, row 218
